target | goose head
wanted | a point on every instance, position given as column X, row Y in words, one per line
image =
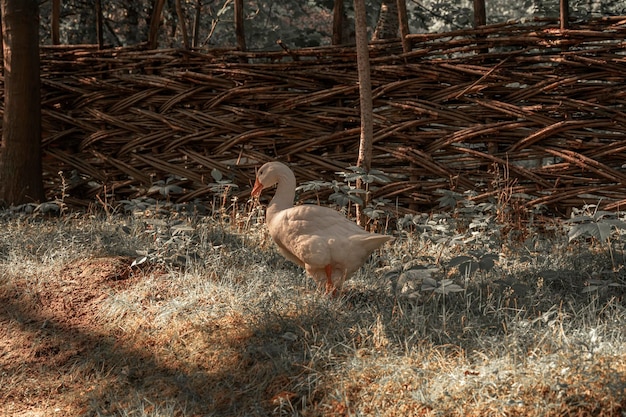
column 271, row 174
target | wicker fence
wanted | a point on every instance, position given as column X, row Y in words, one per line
column 542, row 110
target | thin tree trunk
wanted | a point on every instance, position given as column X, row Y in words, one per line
column 480, row 19
column 155, row 23
column 55, row 22
column 338, row 22
column 182, row 23
column 404, row 26
column 239, row 29
column 196, row 24
column 99, row 24
column 480, row 14
column 387, row 25
column 564, row 11
column 365, row 98
column 20, row 151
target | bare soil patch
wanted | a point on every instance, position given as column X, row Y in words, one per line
column 47, row 329
column 58, row 356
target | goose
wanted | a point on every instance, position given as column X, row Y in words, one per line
column 323, row 241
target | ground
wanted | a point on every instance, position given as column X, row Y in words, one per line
column 87, row 329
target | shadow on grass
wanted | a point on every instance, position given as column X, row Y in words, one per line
column 55, row 350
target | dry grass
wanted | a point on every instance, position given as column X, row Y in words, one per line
column 213, row 322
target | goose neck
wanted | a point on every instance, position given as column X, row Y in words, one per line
column 284, row 196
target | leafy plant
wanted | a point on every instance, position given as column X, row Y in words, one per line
column 166, row 188
column 344, row 193
column 373, row 176
column 221, row 187
column 468, row 264
column 594, row 223
column 374, row 210
column 407, row 282
column 221, row 184
column 138, row 205
column 597, row 224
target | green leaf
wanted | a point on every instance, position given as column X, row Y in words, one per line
column 604, row 231
column 618, row 224
column 583, row 229
column 579, row 219
column 171, row 189
column 469, row 268
column 487, row 262
column 429, row 284
column 459, row 260
column 216, row 174
column 417, row 274
column 355, row 199
column 449, row 288
column 447, row 201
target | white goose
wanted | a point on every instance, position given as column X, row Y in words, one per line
column 323, row 241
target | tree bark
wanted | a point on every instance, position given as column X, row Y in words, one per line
column 365, row 98
column 20, row 151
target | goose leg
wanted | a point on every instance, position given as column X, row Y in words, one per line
column 330, row 287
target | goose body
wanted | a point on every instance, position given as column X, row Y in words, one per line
column 323, row 241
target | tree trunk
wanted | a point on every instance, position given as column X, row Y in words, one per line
column 99, row 24
column 239, row 30
column 155, row 23
column 365, row 98
column 182, row 23
column 404, row 25
column 480, row 19
column 338, row 22
column 20, row 151
column 564, row 14
column 55, row 22
column 388, row 24
column 480, row 14
column 195, row 35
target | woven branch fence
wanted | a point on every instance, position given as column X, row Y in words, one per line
column 522, row 106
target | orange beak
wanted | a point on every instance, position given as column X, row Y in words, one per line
column 258, row 187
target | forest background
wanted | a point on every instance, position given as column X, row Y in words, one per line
column 297, row 23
